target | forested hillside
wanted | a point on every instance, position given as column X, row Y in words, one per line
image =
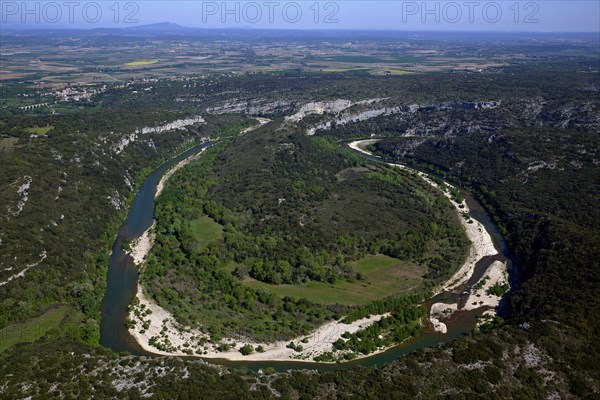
column 542, row 186
column 64, row 193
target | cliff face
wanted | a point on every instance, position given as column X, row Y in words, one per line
column 252, row 107
column 342, row 112
column 445, row 119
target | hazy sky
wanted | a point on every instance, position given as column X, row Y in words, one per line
column 511, row 15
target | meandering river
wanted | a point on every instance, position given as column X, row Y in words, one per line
column 123, row 274
column 123, row 278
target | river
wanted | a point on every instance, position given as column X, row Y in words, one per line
column 123, row 278
column 123, row 274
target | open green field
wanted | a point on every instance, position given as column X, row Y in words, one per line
column 205, row 230
column 141, row 63
column 33, row 329
column 42, row 130
column 383, row 276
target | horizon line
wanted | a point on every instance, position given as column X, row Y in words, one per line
column 21, row 27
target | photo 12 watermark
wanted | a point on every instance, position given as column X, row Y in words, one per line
column 470, row 12
column 270, row 12
column 69, row 12
column 203, row 13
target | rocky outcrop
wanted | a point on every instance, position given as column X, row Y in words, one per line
column 252, row 107
column 170, row 126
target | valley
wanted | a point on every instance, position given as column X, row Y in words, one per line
column 373, row 223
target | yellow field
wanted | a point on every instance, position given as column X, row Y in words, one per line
column 141, row 63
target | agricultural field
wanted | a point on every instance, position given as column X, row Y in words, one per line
column 54, row 320
column 141, row 63
column 135, row 59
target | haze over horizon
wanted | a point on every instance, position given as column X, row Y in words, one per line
column 475, row 16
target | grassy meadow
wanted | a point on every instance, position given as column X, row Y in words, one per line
column 382, row 276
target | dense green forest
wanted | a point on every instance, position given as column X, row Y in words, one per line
column 292, row 210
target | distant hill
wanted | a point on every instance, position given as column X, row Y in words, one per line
column 171, row 29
